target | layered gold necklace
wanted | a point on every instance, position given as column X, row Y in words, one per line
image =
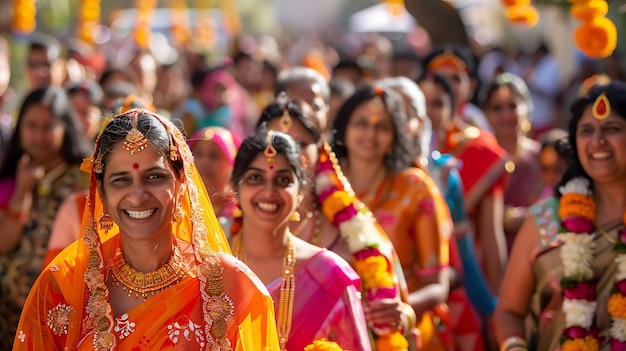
column 287, row 286
column 147, row 284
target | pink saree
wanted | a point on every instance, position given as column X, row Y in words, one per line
column 327, row 304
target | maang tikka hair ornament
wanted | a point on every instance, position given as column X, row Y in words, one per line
column 285, row 120
column 376, row 103
column 601, row 108
column 135, row 140
column 270, row 151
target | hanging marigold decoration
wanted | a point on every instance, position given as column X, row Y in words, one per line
column 525, row 15
column 88, row 18
column 180, row 20
column 23, row 21
column 143, row 30
column 232, row 22
column 521, row 12
column 596, row 37
column 395, row 7
column 205, row 36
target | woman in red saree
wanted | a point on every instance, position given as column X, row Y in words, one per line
column 152, row 269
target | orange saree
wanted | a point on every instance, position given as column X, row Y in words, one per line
column 169, row 320
column 218, row 305
column 414, row 215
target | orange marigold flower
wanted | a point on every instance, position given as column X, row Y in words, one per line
column 587, row 344
column 323, row 345
column 596, row 39
column 374, row 272
column 392, row 342
column 526, row 15
column 335, row 203
column 512, row 3
column 617, row 306
column 588, row 10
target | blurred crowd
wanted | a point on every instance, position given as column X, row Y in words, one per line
column 448, row 149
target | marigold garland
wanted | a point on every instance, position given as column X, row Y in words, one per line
column 23, row 21
column 588, row 10
column 323, row 345
column 526, row 15
column 596, row 37
column 358, row 227
column 521, row 12
column 579, row 288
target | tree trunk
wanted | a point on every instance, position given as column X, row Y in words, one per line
column 440, row 20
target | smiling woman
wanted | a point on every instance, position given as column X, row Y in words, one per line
column 147, row 269
column 40, row 170
column 568, row 268
column 316, row 291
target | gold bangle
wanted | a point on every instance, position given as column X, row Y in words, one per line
column 409, row 319
column 514, row 343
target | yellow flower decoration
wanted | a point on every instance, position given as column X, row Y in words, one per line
column 515, row 3
column 587, row 344
column 617, row 306
column 373, row 272
column 577, row 205
column 393, row 341
column 323, row 345
column 335, row 203
column 526, row 15
column 588, row 10
column 597, row 38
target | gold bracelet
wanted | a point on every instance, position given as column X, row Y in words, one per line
column 514, row 343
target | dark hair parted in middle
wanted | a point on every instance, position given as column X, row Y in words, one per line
column 296, row 109
column 152, row 129
column 402, row 154
column 255, row 145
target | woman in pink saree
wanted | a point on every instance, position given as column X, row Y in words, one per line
column 316, row 292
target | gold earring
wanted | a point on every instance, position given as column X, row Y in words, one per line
column 237, row 212
column 106, row 222
column 179, row 214
column 295, row 217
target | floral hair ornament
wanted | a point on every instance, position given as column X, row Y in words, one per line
column 135, row 140
column 447, row 59
column 601, row 107
column 270, row 151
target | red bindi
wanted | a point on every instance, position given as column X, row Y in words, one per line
column 135, row 165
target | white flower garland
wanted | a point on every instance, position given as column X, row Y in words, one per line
column 577, row 257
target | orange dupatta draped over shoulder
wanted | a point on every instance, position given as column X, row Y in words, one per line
column 219, row 305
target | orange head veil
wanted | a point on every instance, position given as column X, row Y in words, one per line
column 199, row 227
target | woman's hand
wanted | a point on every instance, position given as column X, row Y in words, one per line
column 26, row 178
column 384, row 312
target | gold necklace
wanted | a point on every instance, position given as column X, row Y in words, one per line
column 44, row 186
column 287, row 286
column 142, row 284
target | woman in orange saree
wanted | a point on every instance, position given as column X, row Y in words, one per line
column 371, row 141
column 147, row 273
